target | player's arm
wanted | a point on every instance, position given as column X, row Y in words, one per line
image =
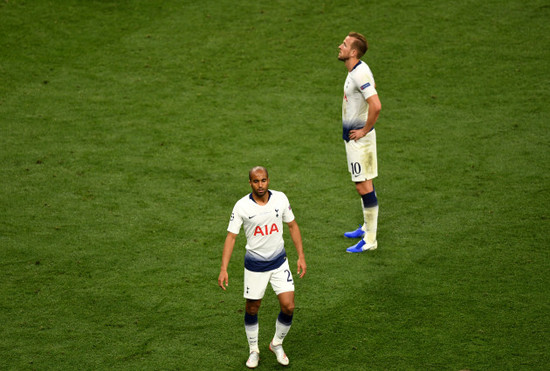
column 226, row 256
column 297, row 239
column 374, row 111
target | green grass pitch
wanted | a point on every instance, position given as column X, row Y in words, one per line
column 126, row 132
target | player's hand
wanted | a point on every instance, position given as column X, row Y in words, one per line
column 356, row 134
column 223, row 279
column 302, row 267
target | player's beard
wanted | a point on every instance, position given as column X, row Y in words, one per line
column 260, row 192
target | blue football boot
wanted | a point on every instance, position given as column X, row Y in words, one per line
column 358, row 233
column 362, row 246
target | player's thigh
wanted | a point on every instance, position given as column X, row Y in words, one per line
column 255, row 284
column 362, row 158
column 281, row 279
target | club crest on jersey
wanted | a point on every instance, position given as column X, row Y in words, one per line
column 266, row 230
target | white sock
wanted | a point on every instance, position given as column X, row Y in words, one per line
column 281, row 328
column 252, row 334
column 370, row 226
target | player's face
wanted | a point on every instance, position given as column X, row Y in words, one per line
column 345, row 49
column 259, row 183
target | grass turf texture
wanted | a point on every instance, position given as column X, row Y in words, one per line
column 127, row 129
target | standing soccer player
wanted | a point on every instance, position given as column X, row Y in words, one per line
column 360, row 109
column 261, row 214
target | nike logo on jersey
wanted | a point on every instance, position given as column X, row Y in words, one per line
column 250, row 217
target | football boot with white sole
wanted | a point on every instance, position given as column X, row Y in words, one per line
column 253, row 360
column 362, row 246
column 279, row 353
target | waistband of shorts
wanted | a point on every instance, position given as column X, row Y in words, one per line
column 345, row 133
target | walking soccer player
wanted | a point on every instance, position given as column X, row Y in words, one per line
column 261, row 214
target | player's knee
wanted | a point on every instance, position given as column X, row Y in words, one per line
column 364, row 187
column 252, row 307
column 288, row 308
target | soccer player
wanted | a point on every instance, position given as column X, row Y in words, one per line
column 262, row 213
column 360, row 109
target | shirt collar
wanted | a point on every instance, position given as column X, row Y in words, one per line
column 269, row 196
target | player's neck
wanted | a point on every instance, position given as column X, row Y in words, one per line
column 351, row 63
column 261, row 200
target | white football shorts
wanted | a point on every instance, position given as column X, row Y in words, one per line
column 255, row 283
column 362, row 159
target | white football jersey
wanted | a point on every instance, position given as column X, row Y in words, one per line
column 263, row 226
column 359, row 86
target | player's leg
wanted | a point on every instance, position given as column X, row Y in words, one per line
column 363, row 166
column 370, row 210
column 283, row 285
column 369, row 204
column 252, row 328
column 255, row 284
column 251, row 325
column 284, row 320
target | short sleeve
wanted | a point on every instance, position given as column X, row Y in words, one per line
column 235, row 221
column 288, row 215
column 365, row 83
